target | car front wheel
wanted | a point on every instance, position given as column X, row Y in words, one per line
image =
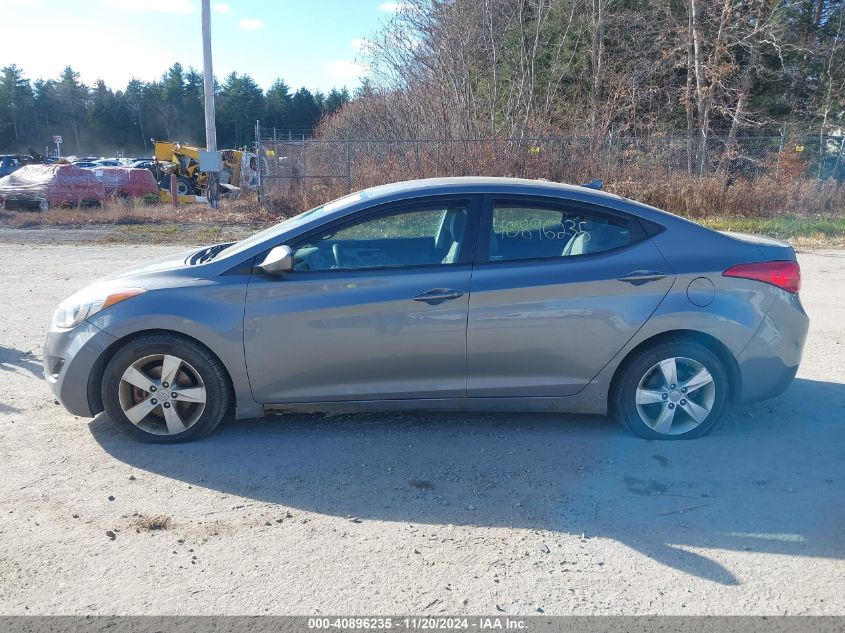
column 674, row 390
column 165, row 389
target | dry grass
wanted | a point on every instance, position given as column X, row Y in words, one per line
column 800, row 231
column 807, row 213
column 779, row 184
column 116, row 213
column 715, row 196
column 151, row 524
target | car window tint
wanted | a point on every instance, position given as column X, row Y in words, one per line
column 422, row 237
column 526, row 232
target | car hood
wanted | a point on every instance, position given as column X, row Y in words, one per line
column 170, row 270
column 177, row 262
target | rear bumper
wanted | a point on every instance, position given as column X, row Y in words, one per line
column 69, row 359
column 770, row 361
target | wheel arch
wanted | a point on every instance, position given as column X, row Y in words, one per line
column 95, row 378
column 716, row 346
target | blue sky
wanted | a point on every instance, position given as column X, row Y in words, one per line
column 310, row 43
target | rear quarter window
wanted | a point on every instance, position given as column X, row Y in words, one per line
column 532, row 232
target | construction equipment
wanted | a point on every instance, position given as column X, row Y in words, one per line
column 239, row 172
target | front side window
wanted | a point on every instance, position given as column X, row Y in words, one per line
column 402, row 238
column 527, row 232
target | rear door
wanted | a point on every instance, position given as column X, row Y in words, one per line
column 558, row 289
column 375, row 308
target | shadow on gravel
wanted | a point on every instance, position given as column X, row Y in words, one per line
column 768, row 479
column 13, row 359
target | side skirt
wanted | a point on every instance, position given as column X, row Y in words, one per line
column 571, row 404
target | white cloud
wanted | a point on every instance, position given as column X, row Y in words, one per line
column 343, row 72
column 181, row 7
column 222, row 7
column 251, row 24
column 393, row 7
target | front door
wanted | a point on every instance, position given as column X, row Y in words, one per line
column 375, row 308
column 550, row 303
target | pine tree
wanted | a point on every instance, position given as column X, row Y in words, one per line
column 16, row 103
column 240, row 105
column 278, row 102
column 72, row 96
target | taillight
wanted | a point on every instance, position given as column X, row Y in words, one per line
column 783, row 274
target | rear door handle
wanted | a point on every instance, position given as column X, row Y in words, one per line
column 639, row 277
column 436, row 295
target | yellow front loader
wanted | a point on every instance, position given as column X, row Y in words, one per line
column 173, row 160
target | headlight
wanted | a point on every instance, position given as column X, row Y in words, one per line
column 76, row 308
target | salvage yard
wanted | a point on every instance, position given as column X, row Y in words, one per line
column 414, row 513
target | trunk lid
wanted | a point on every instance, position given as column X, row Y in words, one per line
column 770, row 248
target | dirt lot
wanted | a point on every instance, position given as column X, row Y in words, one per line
column 416, row 513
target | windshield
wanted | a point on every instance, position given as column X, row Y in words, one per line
column 290, row 223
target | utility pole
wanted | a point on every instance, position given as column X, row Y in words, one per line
column 213, row 175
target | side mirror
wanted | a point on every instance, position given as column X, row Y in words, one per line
column 279, row 260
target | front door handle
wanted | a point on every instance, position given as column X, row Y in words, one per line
column 639, row 277
column 437, row 295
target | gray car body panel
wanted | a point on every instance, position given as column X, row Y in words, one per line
column 357, row 335
column 80, row 351
column 769, row 361
column 546, row 328
column 761, row 326
column 208, row 310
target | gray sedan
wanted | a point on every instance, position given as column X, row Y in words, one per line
column 444, row 294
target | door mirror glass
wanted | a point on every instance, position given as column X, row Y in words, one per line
column 279, row 260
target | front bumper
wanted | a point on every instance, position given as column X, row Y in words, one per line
column 70, row 356
column 769, row 362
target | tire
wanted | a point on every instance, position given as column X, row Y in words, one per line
column 643, row 402
column 204, row 395
column 184, row 186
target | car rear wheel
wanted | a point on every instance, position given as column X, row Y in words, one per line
column 672, row 391
column 165, row 389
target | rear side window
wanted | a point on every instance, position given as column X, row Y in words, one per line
column 535, row 232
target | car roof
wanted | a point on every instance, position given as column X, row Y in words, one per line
column 459, row 184
column 517, row 186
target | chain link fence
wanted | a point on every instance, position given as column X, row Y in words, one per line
column 310, row 171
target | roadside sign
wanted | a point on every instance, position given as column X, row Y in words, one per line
column 57, row 139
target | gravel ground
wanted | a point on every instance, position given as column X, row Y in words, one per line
column 415, row 513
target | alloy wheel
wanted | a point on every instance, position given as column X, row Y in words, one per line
column 675, row 395
column 162, row 394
